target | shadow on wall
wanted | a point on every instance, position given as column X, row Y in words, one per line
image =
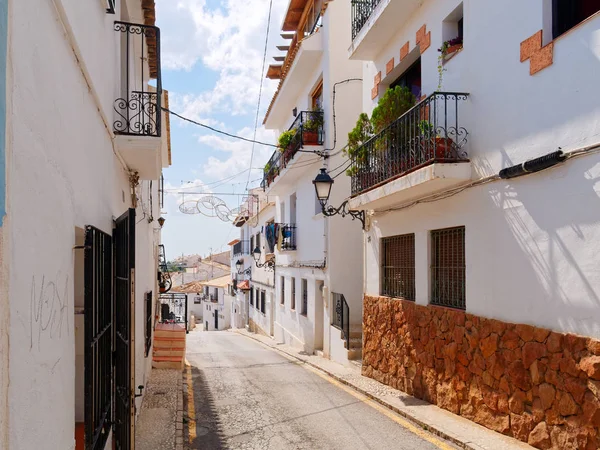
column 553, row 217
column 209, row 434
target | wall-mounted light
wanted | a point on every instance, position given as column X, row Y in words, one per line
column 323, row 183
column 269, row 263
column 161, row 221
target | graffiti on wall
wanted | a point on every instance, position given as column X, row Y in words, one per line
column 49, row 309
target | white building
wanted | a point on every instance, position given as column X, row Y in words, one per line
column 216, row 303
column 81, row 153
column 318, row 268
column 448, row 236
column 255, row 287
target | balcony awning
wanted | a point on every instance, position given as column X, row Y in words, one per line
column 244, row 285
column 235, row 241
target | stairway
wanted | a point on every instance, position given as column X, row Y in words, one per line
column 169, row 346
column 355, row 350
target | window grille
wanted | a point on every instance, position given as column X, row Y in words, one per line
column 251, row 297
column 283, row 290
column 293, row 293
column 448, row 267
column 398, row 266
column 304, row 310
column 262, row 302
column 148, row 323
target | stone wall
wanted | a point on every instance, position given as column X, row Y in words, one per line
column 255, row 328
column 539, row 386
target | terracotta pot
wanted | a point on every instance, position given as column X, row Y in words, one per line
column 453, row 49
column 443, row 147
column 310, row 137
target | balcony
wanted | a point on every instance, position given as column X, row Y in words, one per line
column 375, row 22
column 421, row 152
column 308, row 130
column 288, row 237
column 138, row 121
column 214, row 298
column 241, row 248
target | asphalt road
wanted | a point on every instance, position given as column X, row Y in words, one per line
column 247, row 396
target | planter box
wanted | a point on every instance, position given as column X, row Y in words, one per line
column 310, row 137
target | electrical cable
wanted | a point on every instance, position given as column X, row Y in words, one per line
column 333, row 110
column 216, row 130
column 262, row 70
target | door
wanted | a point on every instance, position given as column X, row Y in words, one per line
column 124, row 357
column 98, row 368
column 216, row 319
column 319, row 315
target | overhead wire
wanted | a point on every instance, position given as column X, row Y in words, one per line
column 262, row 70
column 217, row 130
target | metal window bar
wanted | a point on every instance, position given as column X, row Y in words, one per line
column 110, row 6
column 282, row 300
column 430, row 132
column 398, row 266
column 148, row 331
column 241, row 248
column 304, row 310
column 138, row 111
column 251, row 297
column 288, row 236
column 262, row 302
column 258, row 240
column 448, row 268
column 361, row 11
column 293, row 293
column 341, row 316
column 309, row 129
column 98, row 372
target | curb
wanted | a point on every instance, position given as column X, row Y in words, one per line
column 181, row 389
column 428, row 427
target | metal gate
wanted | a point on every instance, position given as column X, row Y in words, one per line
column 98, row 337
column 124, row 249
column 173, row 308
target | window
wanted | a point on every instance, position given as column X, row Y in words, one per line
column 293, row 293
column 398, row 266
column 262, row 302
column 304, row 309
column 411, row 79
column 251, row 296
column 282, row 300
column 258, row 240
column 448, row 267
column 317, row 97
column 252, row 247
column 568, row 13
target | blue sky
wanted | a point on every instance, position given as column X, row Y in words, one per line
column 211, row 65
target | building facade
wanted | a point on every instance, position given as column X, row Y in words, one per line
column 318, row 305
column 82, row 147
column 480, row 289
column 217, row 303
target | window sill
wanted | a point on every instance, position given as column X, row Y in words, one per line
column 452, row 55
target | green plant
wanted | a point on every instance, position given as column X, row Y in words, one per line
column 391, row 105
column 443, row 53
column 285, row 139
column 315, row 121
column 361, row 133
column 426, row 128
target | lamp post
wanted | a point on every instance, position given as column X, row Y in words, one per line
column 269, row 264
column 239, row 264
column 323, row 183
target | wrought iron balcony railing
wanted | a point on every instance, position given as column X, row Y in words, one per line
column 429, row 132
column 341, row 316
column 241, row 248
column 214, row 298
column 288, row 236
column 308, row 128
column 138, row 111
column 361, row 11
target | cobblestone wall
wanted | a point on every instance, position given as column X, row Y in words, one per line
column 539, row 386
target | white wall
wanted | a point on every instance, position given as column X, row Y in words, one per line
column 222, row 308
column 63, row 172
column 531, row 243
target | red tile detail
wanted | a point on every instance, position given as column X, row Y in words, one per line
column 378, row 78
column 404, row 51
column 542, row 59
column 389, row 66
column 531, row 45
column 375, row 92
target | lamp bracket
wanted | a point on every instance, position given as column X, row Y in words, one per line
column 344, row 210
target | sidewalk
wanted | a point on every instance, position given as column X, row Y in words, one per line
column 159, row 425
column 456, row 429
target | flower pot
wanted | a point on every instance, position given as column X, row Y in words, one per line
column 443, row 147
column 310, row 137
column 453, row 49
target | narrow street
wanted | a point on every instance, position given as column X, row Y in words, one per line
column 246, row 396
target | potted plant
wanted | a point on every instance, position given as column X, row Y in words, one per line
column 393, row 104
column 448, row 48
column 443, row 146
column 285, row 140
column 312, row 127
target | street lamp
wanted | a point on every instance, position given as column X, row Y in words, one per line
column 269, row 264
column 323, row 183
column 239, row 264
column 161, row 221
